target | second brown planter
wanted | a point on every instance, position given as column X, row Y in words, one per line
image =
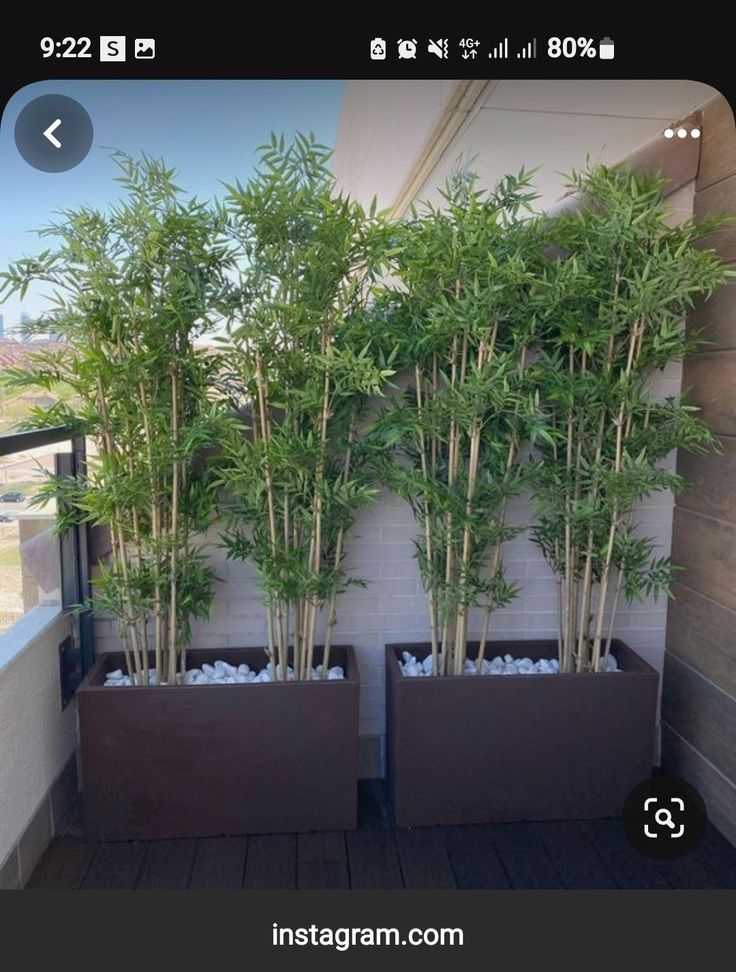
column 479, row 749
column 205, row 760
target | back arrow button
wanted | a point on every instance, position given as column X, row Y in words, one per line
column 49, row 133
column 53, row 133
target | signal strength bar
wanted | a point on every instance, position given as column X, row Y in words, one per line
column 500, row 50
column 530, row 50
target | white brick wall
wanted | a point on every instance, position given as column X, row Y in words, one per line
column 393, row 605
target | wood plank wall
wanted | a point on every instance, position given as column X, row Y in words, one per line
column 699, row 684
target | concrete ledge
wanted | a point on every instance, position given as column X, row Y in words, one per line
column 23, row 633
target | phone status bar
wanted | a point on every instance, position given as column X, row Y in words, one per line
column 473, row 49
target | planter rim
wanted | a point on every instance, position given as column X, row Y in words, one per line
column 351, row 674
column 393, row 650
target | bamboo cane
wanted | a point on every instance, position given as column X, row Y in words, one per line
column 332, row 612
column 265, row 436
column 318, row 513
column 633, row 343
column 449, row 548
column 117, row 528
column 621, row 576
column 174, row 529
column 155, row 533
column 427, row 524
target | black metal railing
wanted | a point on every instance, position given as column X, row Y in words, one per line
column 74, row 559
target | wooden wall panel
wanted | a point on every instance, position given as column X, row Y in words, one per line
column 697, row 709
column 699, row 683
column 718, row 143
column 682, row 759
column 703, row 633
column 710, row 383
column 715, row 319
column 711, row 478
column 706, row 550
column 719, row 198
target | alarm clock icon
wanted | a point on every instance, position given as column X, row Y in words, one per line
column 407, row 49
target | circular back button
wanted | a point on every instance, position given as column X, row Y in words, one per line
column 53, row 133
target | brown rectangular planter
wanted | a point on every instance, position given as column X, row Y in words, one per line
column 518, row 747
column 205, row 760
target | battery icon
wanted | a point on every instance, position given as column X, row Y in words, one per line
column 605, row 49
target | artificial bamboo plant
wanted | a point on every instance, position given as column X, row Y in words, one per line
column 133, row 288
column 302, row 368
column 464, row 273
column 612, row 304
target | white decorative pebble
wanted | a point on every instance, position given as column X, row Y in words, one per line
column 223, row 673
column 508, row 665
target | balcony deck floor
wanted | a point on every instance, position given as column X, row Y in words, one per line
column 569, row 854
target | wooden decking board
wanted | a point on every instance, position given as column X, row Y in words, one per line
column 167, row 865
column 115, row 866
column 524, row 857
column 271, row 862
column 219, row 864
column 424, row 861
column 378, row 856
column 573, row 855
column 373, row 860
column 64, row 865
column 322, row 862
column 474, row 857
column 628, row 868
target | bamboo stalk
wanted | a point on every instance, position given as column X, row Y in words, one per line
column 117, row 529
column 332, row 612
column 621, row 576
column 449, row 549
column 265, row 436
column 427, row 525
column 501, row 519
column 174, row 530
column 568, row 535
column 137, row 543
column 634, row 343
column 319, row 478
column 155, row 533
column 473, row 459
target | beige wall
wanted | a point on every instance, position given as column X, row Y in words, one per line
column 383, row 124
column 37, row 739
column 550, row 123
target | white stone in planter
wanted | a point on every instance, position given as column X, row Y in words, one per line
column 508, row 665
column 223, row 673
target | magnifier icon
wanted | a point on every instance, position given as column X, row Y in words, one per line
column 664, row 818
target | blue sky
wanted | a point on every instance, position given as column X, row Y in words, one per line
column 207, row 130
